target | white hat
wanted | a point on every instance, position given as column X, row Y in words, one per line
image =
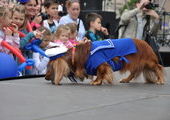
column 56, row 51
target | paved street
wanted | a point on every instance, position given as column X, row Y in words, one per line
column 38, row 99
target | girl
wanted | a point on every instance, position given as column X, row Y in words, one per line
column 51, row 9
column 30, row 7
column 19, row 18
column 73, row 35
column 10, row 36
column 62, row 36
column 66, row 35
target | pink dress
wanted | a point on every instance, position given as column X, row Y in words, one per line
column 69, row 44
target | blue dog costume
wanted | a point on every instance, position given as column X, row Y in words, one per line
column 106, row 50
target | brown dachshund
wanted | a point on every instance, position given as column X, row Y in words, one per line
column 144, row 60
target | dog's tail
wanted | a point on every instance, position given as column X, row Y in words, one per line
column 149, row 76
column 152, row 71
column 49, row 74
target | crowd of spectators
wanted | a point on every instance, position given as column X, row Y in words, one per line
column 45, row 20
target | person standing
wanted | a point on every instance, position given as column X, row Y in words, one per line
column 142, row 23
column 73, row 9
column 133, row 22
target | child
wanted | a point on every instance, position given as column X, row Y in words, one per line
column 94, row 26
column 73, row 34
column 62, row 36
column 51, row 9
column 41, row 62
column 66, row 35
column 6, row 34
column 19, row 16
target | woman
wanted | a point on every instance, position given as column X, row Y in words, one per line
column 73, row 9
column 30, row 7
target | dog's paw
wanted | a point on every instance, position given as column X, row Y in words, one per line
column 96, row 82
column 124, row 81
column 160, row 83
column 56, row 83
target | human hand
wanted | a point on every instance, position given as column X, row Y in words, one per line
column 7, row 31
column 38, row 34
column 14, row 28
column 11, row 5
column 152, row 13
column 85, row 40
column 142, row 4
column 104, row 30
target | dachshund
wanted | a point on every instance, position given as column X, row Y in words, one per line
column 91, row 58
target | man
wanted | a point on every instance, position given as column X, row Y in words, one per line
column 135, row 21
column 142, row 23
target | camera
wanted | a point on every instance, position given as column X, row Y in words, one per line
column 151, row 6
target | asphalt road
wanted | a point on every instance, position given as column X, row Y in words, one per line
column 38, row 99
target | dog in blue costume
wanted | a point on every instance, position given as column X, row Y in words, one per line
column 102, row 58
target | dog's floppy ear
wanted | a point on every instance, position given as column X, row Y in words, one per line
column 81, row 55
column 61, row 69
column 50, row 71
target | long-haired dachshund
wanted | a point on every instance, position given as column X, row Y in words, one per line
column 102, row 58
